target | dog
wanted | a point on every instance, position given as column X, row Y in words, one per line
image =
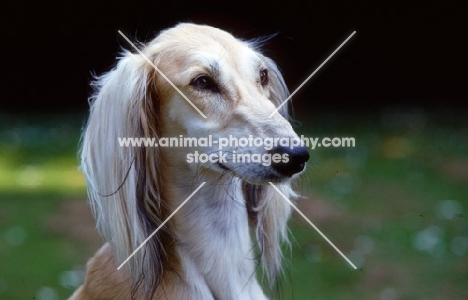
column 212, row 246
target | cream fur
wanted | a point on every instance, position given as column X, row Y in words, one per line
column 205, row 251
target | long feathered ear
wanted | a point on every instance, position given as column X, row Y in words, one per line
column 268, row 211
column 269, row 214
column 123, row 181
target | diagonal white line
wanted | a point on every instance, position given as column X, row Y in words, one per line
column 162, row 74
column 310, row 76
column 160, row 226
column 312, row 224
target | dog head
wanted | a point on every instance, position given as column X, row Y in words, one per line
column 159, row 93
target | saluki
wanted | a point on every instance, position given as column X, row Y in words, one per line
column 212, row 247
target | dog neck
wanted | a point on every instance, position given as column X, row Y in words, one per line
column 212, row 230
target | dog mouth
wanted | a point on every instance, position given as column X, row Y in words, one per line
column 223, row 166
column 282, row 164
column 258, row 178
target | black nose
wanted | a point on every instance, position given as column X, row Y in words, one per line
column 295, row 161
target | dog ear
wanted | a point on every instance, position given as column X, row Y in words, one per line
column 268, row 211
column 123, row 179
column 269, row 214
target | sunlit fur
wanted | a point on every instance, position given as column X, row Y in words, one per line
column 205, row 251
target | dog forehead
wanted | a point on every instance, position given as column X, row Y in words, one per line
column 191, row 38
column 193, row 33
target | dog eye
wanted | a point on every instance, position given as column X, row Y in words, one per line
column 264, row 77
column 205, row 83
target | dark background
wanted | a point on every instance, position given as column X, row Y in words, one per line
column 412, row 56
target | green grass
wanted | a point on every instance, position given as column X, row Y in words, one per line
column 389, row 190
column 398, row 204
column 40, row 259
column 38, row 171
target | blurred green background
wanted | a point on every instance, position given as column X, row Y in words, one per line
column 396, row 204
